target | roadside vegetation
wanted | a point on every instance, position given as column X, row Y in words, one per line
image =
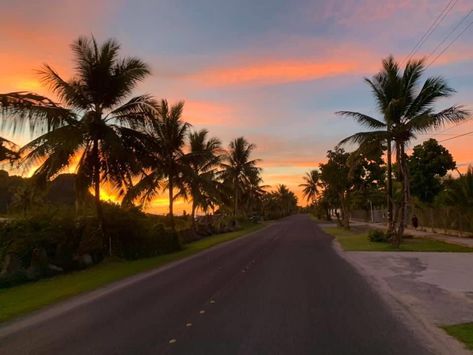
column 374, row 240
column 462, row 332
column 380, row 175
column 136, row 145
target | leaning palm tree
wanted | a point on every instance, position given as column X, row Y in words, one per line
column 202, row 161
column 8, row 150
column 238, row 168
column 93, row 119
column 408, row 109
column 311, row 185
column 164, row 165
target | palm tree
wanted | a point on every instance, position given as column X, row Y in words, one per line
column 252, row 191
column 311, row 185
column 203, row 158
column 288, row 200
column 8, row 150
column 408, row 109
column 385, row 86
column 238, row 168
column 459, row 192
column 92, row 119
column 165, row 158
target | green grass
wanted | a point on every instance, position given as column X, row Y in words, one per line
column 358, row 241
column 463, row 332
column 26, row 298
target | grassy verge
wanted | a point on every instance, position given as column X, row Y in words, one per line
column 25, row 298
column 352, row 240
column 463, row 332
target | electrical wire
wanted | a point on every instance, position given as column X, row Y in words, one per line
column 431, row 29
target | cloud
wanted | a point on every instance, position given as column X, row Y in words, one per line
column 207, row 113
column 277, row 71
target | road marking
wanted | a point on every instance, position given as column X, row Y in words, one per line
column 212, row 301
column 202, row 312
column 172, row 341
column 188, row 324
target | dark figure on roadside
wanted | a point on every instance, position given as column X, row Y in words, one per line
column 415, row 222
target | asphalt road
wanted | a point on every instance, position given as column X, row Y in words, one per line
column 283, row 290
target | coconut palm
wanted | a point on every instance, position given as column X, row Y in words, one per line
column 288, row 200
column 408, row 109
column 311, row 185
column 252, row 192
column 238, row 168
column 202, row 161
column 94, row 119
column 385, row 86
column 164, row 162
column 8, row 150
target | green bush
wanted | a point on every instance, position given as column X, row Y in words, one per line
column 57, row 240
column 378, row 236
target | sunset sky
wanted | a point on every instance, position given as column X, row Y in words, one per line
column 272, row 71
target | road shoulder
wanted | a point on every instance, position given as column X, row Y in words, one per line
column 404, row 302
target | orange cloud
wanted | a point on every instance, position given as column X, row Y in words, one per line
column 277, row 71
column 208, row 113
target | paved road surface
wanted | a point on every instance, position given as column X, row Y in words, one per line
column 283, row 290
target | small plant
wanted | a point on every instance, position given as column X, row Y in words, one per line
column 378, row 236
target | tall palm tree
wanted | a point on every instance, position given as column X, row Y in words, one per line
column 409, row 109
column 164, row 160
column 238, row 168
column 311, row 185
column 202, row 161
column 8, row 150
column 93, row 119
column 386, row 88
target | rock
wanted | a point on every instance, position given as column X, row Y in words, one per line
column 12, row 271
column 39, row 265
column 11, row 265
column 55, row 269
column 86, row 260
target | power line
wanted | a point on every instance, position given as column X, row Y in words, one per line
column 453, row 126
column 451, row 32
column 432, row 28
column 460, row 135
column 450, row 44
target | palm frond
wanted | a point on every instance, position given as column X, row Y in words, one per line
column 364, row 120
column 38, row 114
column 428, row 121
column 363, row 137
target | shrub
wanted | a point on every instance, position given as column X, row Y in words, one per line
column 378, row 236
column 135, row 234
column 56, row 240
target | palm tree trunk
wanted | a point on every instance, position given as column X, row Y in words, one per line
column 235, row 200
column 405, row 195
column 345, row 213
column 389, row 187
column 193, row 214
column 171, row 203
column 98, row 204
column 397, row 206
